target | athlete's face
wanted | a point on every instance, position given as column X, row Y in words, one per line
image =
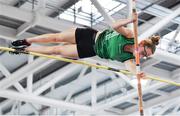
column 145, row 52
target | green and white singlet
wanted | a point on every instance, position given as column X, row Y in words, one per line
column 110, row 45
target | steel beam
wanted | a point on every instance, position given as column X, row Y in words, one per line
column 130, row 7
column 155, row 10
column 165, row 99
column 41, row 6
column 24, row 71
column 109, row 20
column 174, row 37
column 64, row 73
column 124, row 98
column 8, row 74
column 159, row 25
column 93, row 91
column 43, row 21
column 10, row 34
column 166, row 56
column 26, row 26
column 81, row 75
column 44, row 101
column 30, row 77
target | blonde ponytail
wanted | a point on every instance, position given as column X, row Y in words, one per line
column 152, row 42
column 155, row 39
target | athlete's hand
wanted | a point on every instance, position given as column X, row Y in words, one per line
column 142, row 75
column 134, row 17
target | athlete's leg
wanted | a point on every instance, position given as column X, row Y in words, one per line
column 69, row 51
column 65, row 36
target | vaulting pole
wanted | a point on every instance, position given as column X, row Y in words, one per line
column 137, row 57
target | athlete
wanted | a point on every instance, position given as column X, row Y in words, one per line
column 115, row 43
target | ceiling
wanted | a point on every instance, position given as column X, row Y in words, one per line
column 34, row 85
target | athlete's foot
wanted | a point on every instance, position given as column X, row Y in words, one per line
column 19, row 46
column 20, row 43
column 18, row 50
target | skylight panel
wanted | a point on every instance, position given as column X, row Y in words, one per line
column 84, row 10
column 171, row 35
column 108, row 4
column 164, row 44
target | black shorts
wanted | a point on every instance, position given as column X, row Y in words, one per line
column 85, row 40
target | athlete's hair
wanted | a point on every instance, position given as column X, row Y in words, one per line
column 151, row 42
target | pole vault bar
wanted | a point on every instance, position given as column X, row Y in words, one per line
column 8, row 81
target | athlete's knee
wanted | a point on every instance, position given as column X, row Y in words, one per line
column 61, row 37
column 60, row 50
column 57, row 50
column 66, row 36
column 58, row 37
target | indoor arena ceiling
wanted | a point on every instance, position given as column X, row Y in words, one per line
column 71, row 83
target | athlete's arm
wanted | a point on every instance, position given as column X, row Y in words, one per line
column 119, row 27
column 130, row 65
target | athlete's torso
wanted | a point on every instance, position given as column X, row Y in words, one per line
column 110, row 45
